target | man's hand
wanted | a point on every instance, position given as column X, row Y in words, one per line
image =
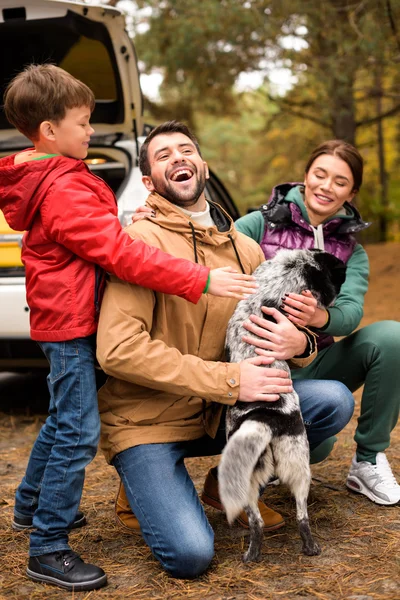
column 302, row 310
column 227, row 282
column 260, row 383
column 281, row 340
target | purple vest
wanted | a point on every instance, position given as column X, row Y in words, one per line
column 302, row 236
column 299, row 234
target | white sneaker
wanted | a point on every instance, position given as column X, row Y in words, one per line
column 377, row 482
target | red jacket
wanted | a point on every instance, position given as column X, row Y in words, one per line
column 72, row 234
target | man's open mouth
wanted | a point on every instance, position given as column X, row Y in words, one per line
column 182, row 175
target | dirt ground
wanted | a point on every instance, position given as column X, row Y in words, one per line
column 360, row 541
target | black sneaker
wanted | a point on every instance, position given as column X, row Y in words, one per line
column 67, row 570
column 23, row 523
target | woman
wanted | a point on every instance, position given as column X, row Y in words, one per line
column 319, row 214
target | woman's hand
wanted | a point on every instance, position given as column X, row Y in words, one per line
column 280, row 339
column 301, row 309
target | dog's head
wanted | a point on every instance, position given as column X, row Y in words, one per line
column 328, row 277
column 298, row 270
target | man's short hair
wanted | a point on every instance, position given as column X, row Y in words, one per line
column 167, row 128
column 43, row 93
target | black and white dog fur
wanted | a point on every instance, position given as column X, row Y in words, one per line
column 267, row 438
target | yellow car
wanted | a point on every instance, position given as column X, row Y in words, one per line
column 16, row 350
column 10, row 246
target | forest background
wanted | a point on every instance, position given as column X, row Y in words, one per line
column 339, row 61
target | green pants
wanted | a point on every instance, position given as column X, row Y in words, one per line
column 369, row 356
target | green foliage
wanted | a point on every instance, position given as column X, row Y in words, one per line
column 345, row 55
column 204, row 46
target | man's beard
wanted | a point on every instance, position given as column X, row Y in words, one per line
column 167, row 191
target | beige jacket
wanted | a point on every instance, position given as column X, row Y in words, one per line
column 168, row 381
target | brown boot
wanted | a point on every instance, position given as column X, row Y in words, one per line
column 123, row 512
column 272, row 520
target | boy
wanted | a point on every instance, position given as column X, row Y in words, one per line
column 73, row 233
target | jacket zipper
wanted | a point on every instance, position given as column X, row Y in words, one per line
column 100, row 278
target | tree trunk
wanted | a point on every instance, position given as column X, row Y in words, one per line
column 339, row 72
column 343, row 105
column 344, row 120
column 383, row 177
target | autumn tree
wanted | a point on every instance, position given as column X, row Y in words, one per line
column 343, row 53
column 203, row 47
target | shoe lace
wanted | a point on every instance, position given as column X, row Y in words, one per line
column 67, row 558
column 383, row 469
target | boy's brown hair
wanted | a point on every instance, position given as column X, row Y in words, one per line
column 43, row 93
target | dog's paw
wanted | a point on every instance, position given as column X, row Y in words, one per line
column 251, row 556
column 312, row 549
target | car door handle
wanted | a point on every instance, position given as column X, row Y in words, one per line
column 10, row 238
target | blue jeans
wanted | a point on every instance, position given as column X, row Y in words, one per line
column 165, row 501
column 52, row 486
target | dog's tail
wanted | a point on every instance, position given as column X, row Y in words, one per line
column 239, row 459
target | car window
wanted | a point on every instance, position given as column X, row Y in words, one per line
column 96, row 70
column 80, row 46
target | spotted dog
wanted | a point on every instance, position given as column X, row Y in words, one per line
column 267, row 438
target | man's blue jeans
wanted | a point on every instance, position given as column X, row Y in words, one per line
column 165, row 501
column 52, row 486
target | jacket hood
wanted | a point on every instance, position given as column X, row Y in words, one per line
column 23, row 187
column 170, row 217
column 278, row 210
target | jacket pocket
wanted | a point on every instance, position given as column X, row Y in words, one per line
column 55, row 354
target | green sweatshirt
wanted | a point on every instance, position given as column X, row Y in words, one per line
column 347, row 312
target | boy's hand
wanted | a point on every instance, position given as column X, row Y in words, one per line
column 258, row 383
column 142, row 212
column 227, row 282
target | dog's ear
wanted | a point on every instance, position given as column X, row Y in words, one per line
column 326, row 280
column 316, row 281
column 334, row 266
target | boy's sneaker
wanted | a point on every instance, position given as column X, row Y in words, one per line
column 377, row 482
column 67, row 570
column 23, row 523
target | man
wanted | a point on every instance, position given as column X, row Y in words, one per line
column 168, row 386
